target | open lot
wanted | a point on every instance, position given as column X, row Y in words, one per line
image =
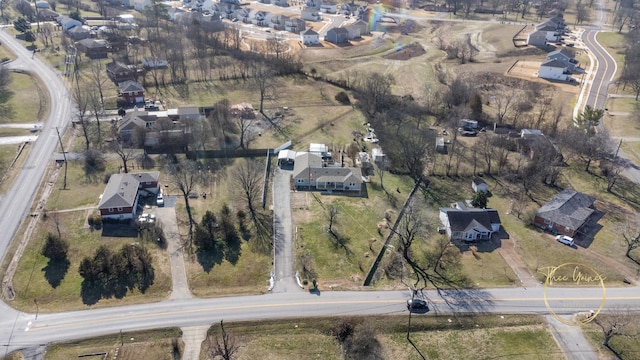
column 29, row 102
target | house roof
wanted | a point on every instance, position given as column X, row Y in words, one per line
column 468, row 219
column 339, row 31
column 79, row 29
column 188, row 110
column 564, row 52
column 310, row 32
column 554, row 64
column 122, row 189
column 547, row 27
column 538, row 33
column 337, row 174
column 569, row 208
column 305, row 161
column 92, row 43
column 478, row 181
column 117, row 67
column 130, row 86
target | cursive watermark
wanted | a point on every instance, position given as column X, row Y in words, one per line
column 572, row 275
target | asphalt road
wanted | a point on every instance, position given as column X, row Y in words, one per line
column 16, row 202
column 283, row 233
column 22, row 330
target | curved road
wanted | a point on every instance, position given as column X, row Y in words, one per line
column 16, row 202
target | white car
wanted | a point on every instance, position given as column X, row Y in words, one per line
column 160, row 199
column 565, row 240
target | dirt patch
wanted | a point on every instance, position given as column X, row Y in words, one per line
column 406, row 52
column 528, row 70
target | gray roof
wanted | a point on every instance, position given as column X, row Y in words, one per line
column 130, row 86
column 121, row 191
column 568, row 54
column 554, row 64
column 337, row 174
column 310, row 32
column 478, row 181
column 569, row 208
column 188, row 110
column 93, row 43
column 339, row 30
column 467, row 219
column 304, row 161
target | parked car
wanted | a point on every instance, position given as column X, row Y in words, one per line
column 417, row 305
column 567, row 240
column 160, row 199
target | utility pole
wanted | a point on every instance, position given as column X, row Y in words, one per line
column 64, row 155
column 618, row 149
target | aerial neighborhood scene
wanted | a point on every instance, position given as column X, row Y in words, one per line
column 319, row 179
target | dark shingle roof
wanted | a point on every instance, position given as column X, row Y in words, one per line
column 569, row 208
column 467, row 219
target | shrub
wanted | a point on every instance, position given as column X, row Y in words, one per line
column 55, row 248
column 343, row 98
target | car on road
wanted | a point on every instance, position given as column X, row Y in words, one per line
column 571, row 45
column 160, row 199
column 564, row 239
column 417, row 305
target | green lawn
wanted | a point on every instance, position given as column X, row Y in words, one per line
column 29, row 102
column 345, row 262
column 614, row 43
column 138, row 345
column 31, row 283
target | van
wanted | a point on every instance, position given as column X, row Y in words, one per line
column 565, row 240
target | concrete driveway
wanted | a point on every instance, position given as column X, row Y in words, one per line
column 167, row 216
column 283, row 233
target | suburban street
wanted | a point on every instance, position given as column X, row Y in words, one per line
column 15, row 204
column 21, row 330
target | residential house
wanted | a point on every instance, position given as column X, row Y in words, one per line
column 554, row 70
column 140, row 5
column 567, row 57
column 131, row 91
column 477, row 184
column 310, row 37
column 537, row 38
column 47, row 15
column 378, row 156
column 119, row 72
column 135, row 121
column 536, row 145
column 93, row 48
column 261, row 18
column 310, row 14
column 243, row 14
column 550, row 30
column 314, row 4
column 188, row 113
column 154, row 63
column 337, row 35
column 328, row 8
column 353, row 31
column 120, row 198
column 278, row 21
column 558, row 21
column 79, row 33
column 312, row 173
column 469, row 224
column 67, row 23
column 295, row 25
column 566, row 213
column 362, row 26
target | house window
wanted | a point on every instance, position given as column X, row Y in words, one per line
column 547, row 221
column 566, row 229
column 299, row 180
column 110, row 209
column 119, row 209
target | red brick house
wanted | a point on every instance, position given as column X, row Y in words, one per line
column 566, row 213
column 119, row 72
column 131, row 91
column 119, row 200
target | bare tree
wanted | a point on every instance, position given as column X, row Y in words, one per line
column 503, row 102
column 81, row 99
column 582, row 13
column 125, row 153
column 332, row 217
column 249, row 181
column 632, row 240
column 262, row 79
column 225, row 346
column 617, row 323
column 184, row 176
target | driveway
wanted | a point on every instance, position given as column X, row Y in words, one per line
column 167, row 216
column 283, row 233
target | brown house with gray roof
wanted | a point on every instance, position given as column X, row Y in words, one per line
column 566, row 213
column 312, row 173
column 119, row 200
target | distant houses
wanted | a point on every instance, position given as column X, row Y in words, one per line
column 310, row 37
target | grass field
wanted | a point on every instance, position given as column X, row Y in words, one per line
column 139, row 345
column 460, row 337
column 627, row 346
column 29, row 102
